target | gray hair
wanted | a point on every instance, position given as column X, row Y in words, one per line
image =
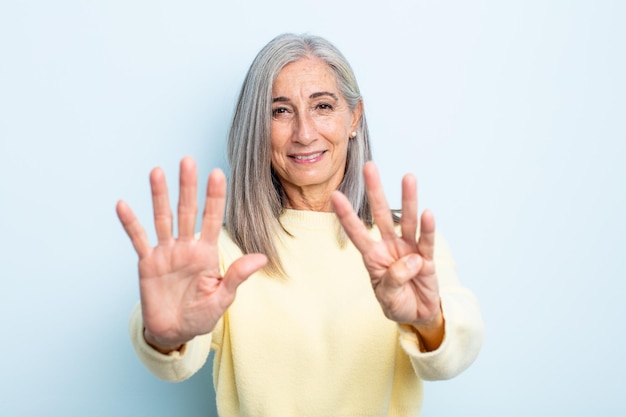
column 255, row 197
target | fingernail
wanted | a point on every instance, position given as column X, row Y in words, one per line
column 412, row 262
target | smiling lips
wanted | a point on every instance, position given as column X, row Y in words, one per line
column 308, row 158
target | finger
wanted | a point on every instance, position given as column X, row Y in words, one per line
column 350, row 221
column 378, row 201
column 133, row 229
column 408, row 221
column 188, row 199
column 426, row 242
column 161, row 205
column 213, row 214
column 402, row 271
column 240, row 270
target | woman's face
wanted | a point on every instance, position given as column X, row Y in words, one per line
column 310, row 130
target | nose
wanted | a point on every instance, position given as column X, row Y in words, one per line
column 305, row 132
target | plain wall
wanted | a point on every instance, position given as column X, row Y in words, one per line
column 510, row 113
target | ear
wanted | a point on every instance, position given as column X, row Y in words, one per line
column 356, row 116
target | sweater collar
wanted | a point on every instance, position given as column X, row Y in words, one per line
column 312, row 220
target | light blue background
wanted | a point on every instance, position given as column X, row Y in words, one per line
column 511, row 114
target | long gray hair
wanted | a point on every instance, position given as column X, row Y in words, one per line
column 255, row 197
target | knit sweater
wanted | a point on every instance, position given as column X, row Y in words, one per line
column 317, row 342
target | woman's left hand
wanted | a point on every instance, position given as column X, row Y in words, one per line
column 401, row 268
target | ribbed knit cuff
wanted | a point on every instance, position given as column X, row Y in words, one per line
column 462, row 338
column 175, row 366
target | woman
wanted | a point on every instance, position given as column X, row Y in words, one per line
column 305, row 335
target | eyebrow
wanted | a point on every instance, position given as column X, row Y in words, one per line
column 325, row 93
column 282, row 99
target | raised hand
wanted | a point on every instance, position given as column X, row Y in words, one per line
column 182, row 291
column 401, row 268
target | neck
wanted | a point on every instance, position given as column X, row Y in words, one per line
column 308, row 199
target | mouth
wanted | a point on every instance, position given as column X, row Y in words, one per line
column 307, row 158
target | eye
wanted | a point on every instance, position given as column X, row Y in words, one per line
column 278, row 111
column 325, row 106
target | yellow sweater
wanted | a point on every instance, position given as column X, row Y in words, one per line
column 317, row 344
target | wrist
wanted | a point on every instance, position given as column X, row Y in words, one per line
column 159, row 345
column 431, row 334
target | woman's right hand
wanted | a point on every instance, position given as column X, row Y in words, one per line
column 182, row 291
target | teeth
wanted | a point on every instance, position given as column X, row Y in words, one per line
column 307, row 157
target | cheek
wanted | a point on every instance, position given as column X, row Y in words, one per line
column 276, row 143
column 275, row 160
column 279, row 136
column 342, row 128
column 277, row 157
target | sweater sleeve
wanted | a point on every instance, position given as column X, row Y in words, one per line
column 175, row 366
column 463, row 332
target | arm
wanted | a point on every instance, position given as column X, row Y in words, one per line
column 463, row 325
column 403, row 272
column 174, row 366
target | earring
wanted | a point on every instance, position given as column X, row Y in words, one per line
column 353, row 135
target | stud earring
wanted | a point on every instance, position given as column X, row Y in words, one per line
column 352, row 135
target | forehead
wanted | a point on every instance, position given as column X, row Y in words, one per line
column 306, row 73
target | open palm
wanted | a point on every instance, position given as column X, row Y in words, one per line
column 183, row 293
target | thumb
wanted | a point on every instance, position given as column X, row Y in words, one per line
column 403, row 270
column 241, row 269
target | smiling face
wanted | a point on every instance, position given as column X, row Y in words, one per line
column 310, row 130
